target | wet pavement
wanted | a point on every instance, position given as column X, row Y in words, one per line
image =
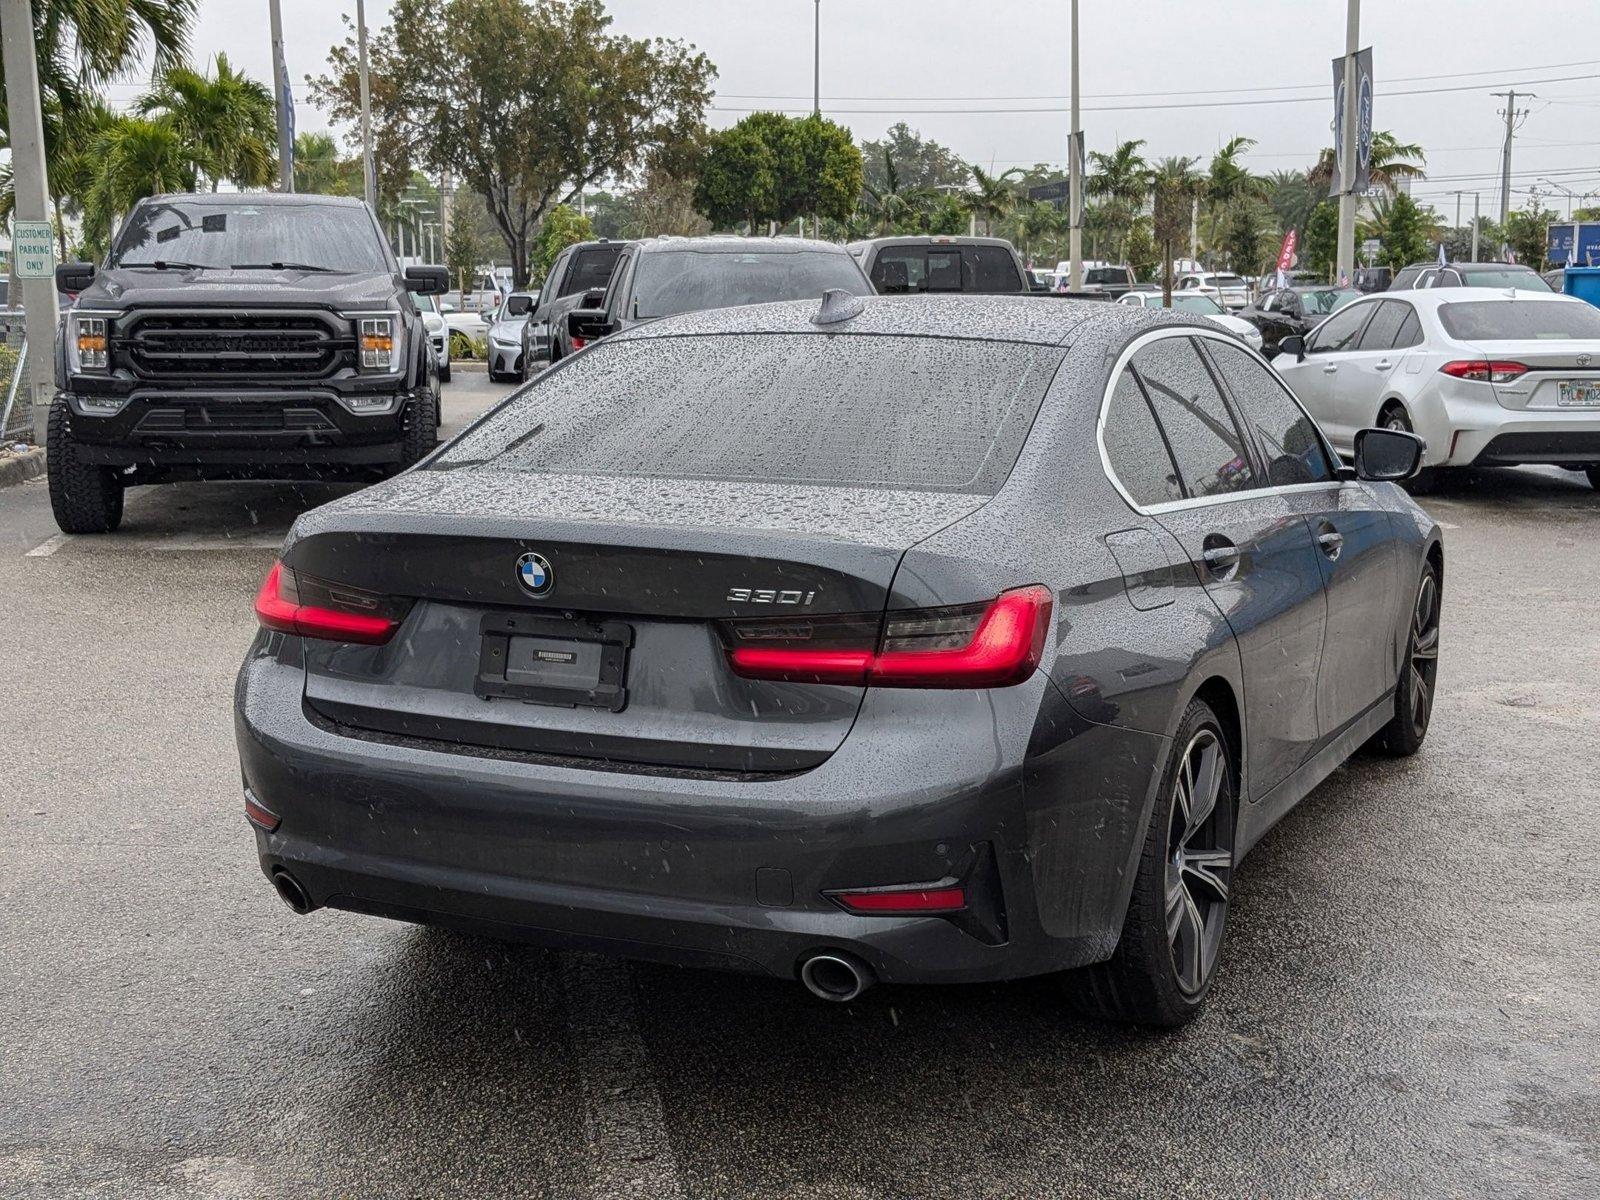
column 1407, row 1006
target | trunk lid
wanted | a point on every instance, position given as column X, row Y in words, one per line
column 1551, row 364
column 632, row 578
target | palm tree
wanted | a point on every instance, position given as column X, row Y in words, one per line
column 1229, row 184
column 894, row 205
column 1389, row 163
column 320, row 169
column 1121, row 181
column 993, row 197
column 1292, row 198
column 136, row 157
column 228, row 120
column 1175, row 188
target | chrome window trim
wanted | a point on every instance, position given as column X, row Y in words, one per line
column 1188, row 502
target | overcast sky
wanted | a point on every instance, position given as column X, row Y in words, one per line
column 884, row 55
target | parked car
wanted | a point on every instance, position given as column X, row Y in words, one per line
column 1226, row 289
column 1369, row 279
column 898, row 265
column 1203, row 306
column 663, row 277
column 1296, row 310
column 1486, row 378
column 1269, row 281
column 579, row 271
column 254, row 335
column 1114, row 281
column 783, row 638
column 1484, row 275
column 470, row 323
column 438, row 332
column 505, row 336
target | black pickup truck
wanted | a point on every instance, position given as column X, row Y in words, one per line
column 249, row 336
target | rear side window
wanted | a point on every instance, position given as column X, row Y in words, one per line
column 1210, row 453
column 1511, row 321
column 591, row 268
column 939, row 414
column 900, row 269
column 1339, row 332
column 991, row 269
column 1380, row 331
column 1134, row 448
column 1286, row 436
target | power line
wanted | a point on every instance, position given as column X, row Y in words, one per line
column 846, row 112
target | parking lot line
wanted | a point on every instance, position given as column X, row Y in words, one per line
column 157, row 545
column 630, row 1154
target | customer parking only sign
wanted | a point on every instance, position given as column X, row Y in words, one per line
column 33, row 249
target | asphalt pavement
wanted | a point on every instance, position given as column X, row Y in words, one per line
column 1407, row 1008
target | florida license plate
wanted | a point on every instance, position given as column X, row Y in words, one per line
column 1579, row 395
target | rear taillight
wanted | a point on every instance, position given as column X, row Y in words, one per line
column 993, row 644
column 314, row 608
column 1484, row 370
column 579, row 343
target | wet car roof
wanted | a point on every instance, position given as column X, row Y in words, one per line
column 1021, row 318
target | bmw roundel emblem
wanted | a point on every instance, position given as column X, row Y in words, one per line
column 534, row 574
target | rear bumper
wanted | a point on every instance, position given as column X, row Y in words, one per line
column 1470, row 428
column 1558, row 447
column 719, row 872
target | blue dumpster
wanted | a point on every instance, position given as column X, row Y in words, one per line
column 1582, row 282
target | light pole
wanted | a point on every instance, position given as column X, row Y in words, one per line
column 368, row 170
column 816, row 58
column 1074, row 175
column 1347, row 146
column 1477, row 208
column 280, row 93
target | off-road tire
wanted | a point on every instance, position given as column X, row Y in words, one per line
column 1139, row 983
column 85, row 497
column 421, row 432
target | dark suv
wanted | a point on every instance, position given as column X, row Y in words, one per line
column 900, row 265
column 665, row 276
column 579, row 274
column 251, row 336
column 1482, row 274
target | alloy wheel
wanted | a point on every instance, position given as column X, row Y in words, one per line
column 1199, row 860
column 1423, row 667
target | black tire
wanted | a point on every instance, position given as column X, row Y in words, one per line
column 1172, row 936
column 85, row 497
column 1394, row 416
column 444, row 373
column 421, row 432
column 1419, row 674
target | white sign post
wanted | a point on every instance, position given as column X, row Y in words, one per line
column 33, row 249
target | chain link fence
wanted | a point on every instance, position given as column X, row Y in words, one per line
column 16, row 406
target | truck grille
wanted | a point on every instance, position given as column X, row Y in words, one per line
column 175, row 346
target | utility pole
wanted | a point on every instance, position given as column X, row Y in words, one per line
column 31, row 205
column 1477, row 220
column 1458, row 210
column 368, row 171
column 280, row 95
column 1074, row 174
column 1347, row 146
column 816, row 58
column 1511, row 115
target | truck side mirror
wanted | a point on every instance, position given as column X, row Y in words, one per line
column 587, row 324
column 425, row 281
column 74, row 277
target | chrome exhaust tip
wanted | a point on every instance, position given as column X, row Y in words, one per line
column 835, row 977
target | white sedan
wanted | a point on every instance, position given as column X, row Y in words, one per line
column 1487, row 377
column 1192, row 302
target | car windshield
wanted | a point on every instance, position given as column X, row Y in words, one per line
column 1196, row 304
column 1320, row 302
column 197, row 231
column 1509, row 321
column 1522, row 280
column 680, row 281
column 939, row 414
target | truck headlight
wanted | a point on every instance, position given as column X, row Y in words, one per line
column 379, row 343
column 88, row 347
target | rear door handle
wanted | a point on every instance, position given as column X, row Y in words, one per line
column 1383, row 364
column 1220, row 554
column 1329, row 368
column 1329, row 540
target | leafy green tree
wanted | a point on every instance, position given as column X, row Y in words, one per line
column 1524, row 234
column 1404, row 230
column 1175, row 186
column 822, row 171
column 562, row 227
column 227, row 118
column 526, row 101
column 319, row 168
column 773, row 168
column 1319, row 250
column 920, row 163
column 465, row 248
column 136, row 157
column 739, row 178
column 1142, row 254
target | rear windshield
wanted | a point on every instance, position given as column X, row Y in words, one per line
column 937, row 414
column 591, row 268
column 1510, row 277
column 195, row 231
column 1105, row 275
column 1227, row 281
column 679, row 281
column 1509, row 321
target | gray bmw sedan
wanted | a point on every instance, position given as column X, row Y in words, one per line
column 903, row 639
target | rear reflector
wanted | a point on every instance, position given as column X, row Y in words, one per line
column 903, row 900
column 349, row 615
column 1484, row 370
column 993, row 644
column 261, row 818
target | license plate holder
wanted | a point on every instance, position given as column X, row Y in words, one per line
column 1578, row 395
column 571, row 662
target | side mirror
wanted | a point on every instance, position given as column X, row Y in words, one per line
column 1388, row 455
column 1293, row 344
column 593, row 298
column 427, row 281
column 74, row 277
column 588, row 324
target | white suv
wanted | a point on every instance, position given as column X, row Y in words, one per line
column 1488, row 378
column 1226, row 289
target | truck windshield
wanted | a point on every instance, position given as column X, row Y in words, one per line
column 219, row 234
